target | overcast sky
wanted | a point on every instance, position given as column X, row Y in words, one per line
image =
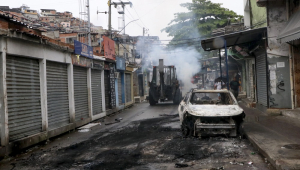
column 152, row 14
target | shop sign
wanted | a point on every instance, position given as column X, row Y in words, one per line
column 120, row 63
column 112, row 86
column 81, row 61
column 83, row 49
column 98, row 65
column 106, row 66
column 109, row 48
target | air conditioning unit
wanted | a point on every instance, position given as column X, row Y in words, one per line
column 117, row 74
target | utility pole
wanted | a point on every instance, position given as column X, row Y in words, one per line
column 120, row 12
column 89, row 24
column 109, row 16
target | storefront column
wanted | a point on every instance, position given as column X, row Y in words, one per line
column 71, row 93
column 89, row 84
column 103, row 91
column 43, row 89
column 3, row 101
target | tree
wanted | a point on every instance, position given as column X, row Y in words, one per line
column 203, row 17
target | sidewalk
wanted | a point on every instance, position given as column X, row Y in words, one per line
column 277, row 138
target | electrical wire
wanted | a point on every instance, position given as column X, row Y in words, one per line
column 139, row 17
column 132, row 17
column 125, row 48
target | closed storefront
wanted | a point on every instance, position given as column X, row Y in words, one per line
column 80, row 93
column 262, row 83
column 96, row 92
column 128, row 87
column 23, row 97
column 57, row 95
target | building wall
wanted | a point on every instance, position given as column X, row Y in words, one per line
column 278, row 56
column 247, row 18
column 42, row 53
column 258, row 15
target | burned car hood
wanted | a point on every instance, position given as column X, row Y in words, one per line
column 214, row 110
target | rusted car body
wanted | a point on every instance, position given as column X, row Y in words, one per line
column 210, row 112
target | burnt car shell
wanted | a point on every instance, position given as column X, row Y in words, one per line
column 210, row 114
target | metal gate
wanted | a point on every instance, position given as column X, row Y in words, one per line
column 128, row 87
column 262, row 84
column 23, row 97
column 120, row 89
column 57, row 95
column 296, row 53
column 80, row 93
column 96, row 92
column 107, row 89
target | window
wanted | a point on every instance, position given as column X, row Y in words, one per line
column 211, row 98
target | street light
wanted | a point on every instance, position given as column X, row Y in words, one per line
column 126, row 25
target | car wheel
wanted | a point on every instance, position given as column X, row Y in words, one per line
column 185, row 129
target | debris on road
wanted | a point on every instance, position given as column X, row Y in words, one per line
column 237, row 163
column 250, row 163
column 116, row 121
column 218, row 168
column 168, row 114
column 83, row 130
column 181, row 165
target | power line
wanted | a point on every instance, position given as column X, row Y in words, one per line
column 139, row 17
column 125, row 48
column 133, row 19
column 130, row 14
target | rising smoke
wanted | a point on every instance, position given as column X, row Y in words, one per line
column 186, row 61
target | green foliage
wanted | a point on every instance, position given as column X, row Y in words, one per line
column 201, row 19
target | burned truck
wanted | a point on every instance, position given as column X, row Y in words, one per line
column 164, row 85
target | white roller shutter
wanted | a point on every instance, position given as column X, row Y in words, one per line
column 96, row 91
column 80, row 93
column 23, row 97
column 57, row 95
column 262, row 84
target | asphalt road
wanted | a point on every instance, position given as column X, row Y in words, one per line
column 147, row 138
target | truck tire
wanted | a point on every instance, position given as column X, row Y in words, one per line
column 177, row 98
column 152, row 102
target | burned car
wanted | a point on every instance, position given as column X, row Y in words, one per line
column 210, row 112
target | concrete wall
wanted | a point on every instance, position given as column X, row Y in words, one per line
column 247, row 16
column 258, row 15
column 278, row 56
column 34, row 49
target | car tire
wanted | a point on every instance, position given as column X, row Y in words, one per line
column 176, row 99
column 152, row 102
column 185, row 129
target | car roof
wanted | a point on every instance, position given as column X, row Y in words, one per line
column 210, row 91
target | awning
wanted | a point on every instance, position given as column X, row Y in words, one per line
column 233, row 39
column 292, row 30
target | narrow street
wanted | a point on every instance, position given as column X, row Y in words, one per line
column 147, row 137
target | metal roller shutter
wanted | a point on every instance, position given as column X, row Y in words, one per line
column 23, row 97
column 80, row 93
column 96, row 92
column 120, row 90
column 0, row 87
column 262, row 84
column 57, row 95
column 107, row 89
column 128, row 87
